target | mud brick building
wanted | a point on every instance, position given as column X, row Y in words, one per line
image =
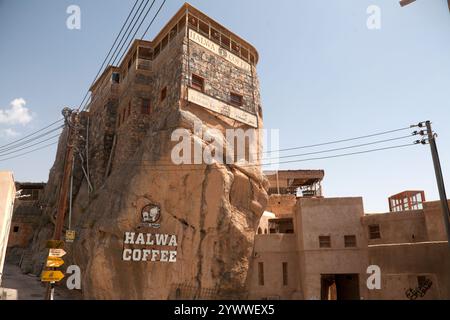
column 25, row 219
column 324, row 246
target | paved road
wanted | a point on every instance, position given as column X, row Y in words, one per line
column 29, row 287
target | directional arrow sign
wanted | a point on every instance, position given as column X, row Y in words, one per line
column 57, row 253
column 54, row 262
column 55, row 244
column 52, row 276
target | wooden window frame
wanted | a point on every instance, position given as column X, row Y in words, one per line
column 374, row 234
column 325, row 242
column 350, row 241
column 201, row 86
column 240, row 97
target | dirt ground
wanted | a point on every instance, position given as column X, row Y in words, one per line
column 30, row 287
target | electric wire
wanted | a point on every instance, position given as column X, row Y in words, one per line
column 135, row 32
column 343, row 140
column 106, row 58
column 25, row 142
column 151, row 22
column 31, row 134
column 339, row 149
column 31, row 145
column 31, row 151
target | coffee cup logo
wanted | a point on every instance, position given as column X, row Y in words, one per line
column 151, row 216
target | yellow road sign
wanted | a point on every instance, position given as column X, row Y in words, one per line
column 55, row 244
column 57, row 253
column 70, row 235
column 52, row 276
column 54, row 262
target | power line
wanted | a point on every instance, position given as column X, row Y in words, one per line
column 17, row 145
column 340, row 141
column 31, row 134
column 344, row 154
column 181, row 167
column 135, row 32
column 31, row 151
column 31, row 145
column 338, row 149
column 106, row 58
column 121, row 43
column 151, row 22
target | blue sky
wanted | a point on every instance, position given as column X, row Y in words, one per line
column 324, row 76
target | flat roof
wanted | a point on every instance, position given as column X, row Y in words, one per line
column 297, row 178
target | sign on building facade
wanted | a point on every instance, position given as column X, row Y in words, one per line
column 222, row 108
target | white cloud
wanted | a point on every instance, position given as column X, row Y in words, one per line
column 10, row 133
column 17, row 113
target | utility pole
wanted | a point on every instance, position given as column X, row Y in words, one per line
column 439, row 177
column 70, row 119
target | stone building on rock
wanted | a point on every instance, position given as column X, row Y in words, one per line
column 148, row 227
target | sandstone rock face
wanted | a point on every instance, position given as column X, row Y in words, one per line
column 211, row 210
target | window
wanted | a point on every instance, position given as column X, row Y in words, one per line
column 164, row 42
column 145, row 106
column 350, row 241
column 173, row 33
column 374, row 232
column 145, row 53
column 16, row 229
column 181, row 24
column 259, row 230
column 236, row 99
column 115, row 78
column 215, row 35
column 157, row 51
column 163, row 94
column 285, row 274
column 204, row 28
column 225, row 42
column 193, row 22
column 325, row 242
column 244, row 54
column 261, row 273
column 198, row 83
column 235, row 48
